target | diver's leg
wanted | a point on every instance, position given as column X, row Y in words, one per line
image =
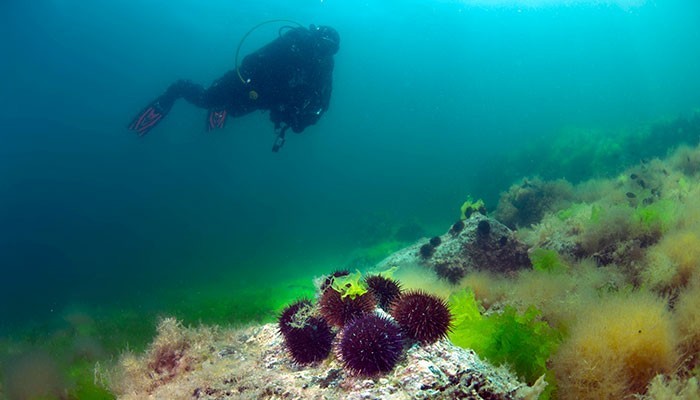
column 150, row 116
column 220, row 99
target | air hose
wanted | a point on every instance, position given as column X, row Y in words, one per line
column 253, row 29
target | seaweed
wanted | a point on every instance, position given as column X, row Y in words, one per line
column 349, row 285
column 522, row 341
column 470, row 206
column 546, row 261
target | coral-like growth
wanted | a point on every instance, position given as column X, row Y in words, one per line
column 371, row 345
column 168, row 356
column 166, row 359
column 616, row 347
column 308, row 338
column 385, row 290
column 175, row 351
column 422, row 316
column 339, row 310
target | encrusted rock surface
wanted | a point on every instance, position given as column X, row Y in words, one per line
column 252, row 364
column 482, row 244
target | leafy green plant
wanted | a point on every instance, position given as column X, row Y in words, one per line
column 522, row 341
column 349, row 285
column 470, row 206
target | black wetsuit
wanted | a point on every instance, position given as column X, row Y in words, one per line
column 291, row 77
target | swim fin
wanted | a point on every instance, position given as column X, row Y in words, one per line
column 148, row 118
column 216, row 120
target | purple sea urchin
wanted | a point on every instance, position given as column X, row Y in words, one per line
column 338, row 310
column 423, row 317
column 483, row 228
column 370, row 345
column 308, row 338
column 457, row 227
column 427, row 250
column 385, row 290
column 288, row 315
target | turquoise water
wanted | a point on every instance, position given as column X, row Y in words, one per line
column 431, row 100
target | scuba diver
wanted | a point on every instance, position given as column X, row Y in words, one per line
column 291, row 77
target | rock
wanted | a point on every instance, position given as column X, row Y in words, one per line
column 482, row 244
column 261, row 369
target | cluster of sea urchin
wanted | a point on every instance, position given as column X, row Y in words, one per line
column 427, row 250
column 369, row 343
column 423, row 317
column 308, row 338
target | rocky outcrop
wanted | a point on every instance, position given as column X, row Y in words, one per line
column 477, row 243
column 252, row 363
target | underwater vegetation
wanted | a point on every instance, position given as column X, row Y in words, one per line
column 616, row 347
column 609, row 306
column 580, row 154
column 546, row 261
column 606, row 306
column 616, row 270
column 526, row 202
column 521, row 340
column 470, row 206
column 176, row 350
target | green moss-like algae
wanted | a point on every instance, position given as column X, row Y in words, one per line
column 521, row 341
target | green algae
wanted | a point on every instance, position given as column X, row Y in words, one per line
column 521, row 341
